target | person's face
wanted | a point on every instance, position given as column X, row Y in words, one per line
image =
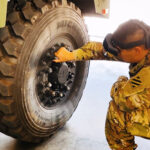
column 133, row 55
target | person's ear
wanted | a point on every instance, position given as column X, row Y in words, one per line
column 138, row 50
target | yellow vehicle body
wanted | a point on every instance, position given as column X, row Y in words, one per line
column 3, row 10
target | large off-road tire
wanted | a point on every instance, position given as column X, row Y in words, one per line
column 38, row 96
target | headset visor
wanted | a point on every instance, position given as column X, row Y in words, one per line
column 113, row 46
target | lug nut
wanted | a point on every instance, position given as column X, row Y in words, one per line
column 49, row 84
column 68, row 88
column 71, row 74
column 67, row 47
column 73, row 64
column 45, row 90
column 50, row 70
column 53, row 93
column 61, row 94
column 45, row 77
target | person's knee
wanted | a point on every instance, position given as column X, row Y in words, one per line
column 115, row 129
column 115, row 116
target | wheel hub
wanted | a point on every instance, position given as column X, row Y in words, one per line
column 54, row 80
column 63, row 73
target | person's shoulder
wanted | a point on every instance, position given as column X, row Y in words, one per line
column 147, row 67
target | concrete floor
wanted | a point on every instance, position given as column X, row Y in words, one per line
column 77, row 134
column 80, row 133
column 63, row 140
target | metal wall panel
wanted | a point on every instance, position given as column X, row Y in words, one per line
column 93, row 7
column 102, row 7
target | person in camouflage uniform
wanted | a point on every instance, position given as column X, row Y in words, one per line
column 129, row 110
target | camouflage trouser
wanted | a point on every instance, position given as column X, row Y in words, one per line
column 115, row 129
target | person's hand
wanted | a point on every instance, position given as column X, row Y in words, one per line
column 63, row 55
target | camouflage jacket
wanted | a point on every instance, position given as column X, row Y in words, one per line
column 132, row 96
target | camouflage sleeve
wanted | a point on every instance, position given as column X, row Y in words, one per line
column 133, row 93
column 91, row 51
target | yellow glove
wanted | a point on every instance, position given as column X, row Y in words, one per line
column 63, row 55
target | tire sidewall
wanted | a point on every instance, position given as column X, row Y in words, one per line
column 63, row 22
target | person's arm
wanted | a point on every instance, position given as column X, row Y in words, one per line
column 90, row 51
column 133, row 93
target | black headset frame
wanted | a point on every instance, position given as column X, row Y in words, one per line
column 111, row 46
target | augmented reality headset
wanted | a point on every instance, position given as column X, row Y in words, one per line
column 113, row 46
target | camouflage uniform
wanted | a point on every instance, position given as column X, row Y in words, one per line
column 129, row 111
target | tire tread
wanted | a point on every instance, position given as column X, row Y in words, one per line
column 19, row 24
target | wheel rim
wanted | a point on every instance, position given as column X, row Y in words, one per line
column 54, row 80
